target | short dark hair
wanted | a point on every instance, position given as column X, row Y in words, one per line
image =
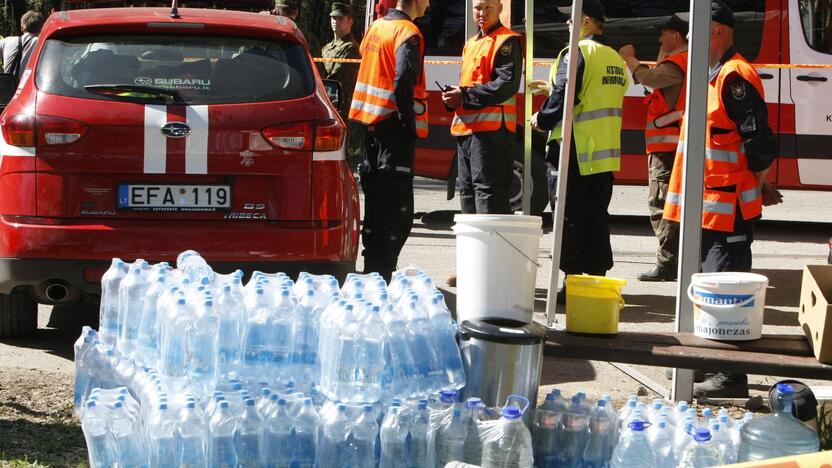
column 31, row 22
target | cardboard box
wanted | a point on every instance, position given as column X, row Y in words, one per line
column 813, row 460
column 815, row 314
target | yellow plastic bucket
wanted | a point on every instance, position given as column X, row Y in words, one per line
column 593, row 304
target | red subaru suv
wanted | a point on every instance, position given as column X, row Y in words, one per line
column 142, row 132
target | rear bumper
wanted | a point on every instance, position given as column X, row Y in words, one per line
column 31, row 254
column 83, row 276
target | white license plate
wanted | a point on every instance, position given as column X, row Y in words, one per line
column 174, row 197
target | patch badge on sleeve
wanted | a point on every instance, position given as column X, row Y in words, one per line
column 414, row 40
column 738, row 91
column 505, row 49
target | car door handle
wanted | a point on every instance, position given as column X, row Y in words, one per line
column 766, row 76
column 811, row 78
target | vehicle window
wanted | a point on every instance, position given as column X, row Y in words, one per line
column 443, row 27
column 203, row 70
column 816, row 18
column 636, row 22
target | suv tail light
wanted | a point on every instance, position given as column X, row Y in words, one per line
column 59, row 131
column 20, row 130
column 323, row 135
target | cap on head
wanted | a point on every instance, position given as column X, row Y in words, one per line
column 340, row 9
column 675, row 23
column 722, row 13
column 592, row 8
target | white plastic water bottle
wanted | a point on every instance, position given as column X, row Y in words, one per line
column 83, row 348
column 511, row 446
column 161, row 437
column 393, row 440
column 231, row 311
column 426, row 362
column 369, row 359
column 250, row 437
column 418, row 433
column 662, row 444
column 634, row 451
column 258, row 339
column 599, row 447
column 191, row 449
column 131, row 304
column 173, row 364
column 779, row 434
column 472, row 447
column 546, row 427
column 574, row 433
column 202, row 349
column 101, row 446
column 280, row 322
column 400, row 365
column 305, row 437
column 450, row 439
column 278, row 441
column 108, row 314
column 305, row 339
column 362, row 440
column 194, row 266
column 128, row 438
column 683, row 436
column 221, row 430
column 444, row 339
column 333, row 450
column 147, row 344
column 703, row 452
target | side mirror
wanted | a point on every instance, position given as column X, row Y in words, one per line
column 334, row 91
column 8, row 85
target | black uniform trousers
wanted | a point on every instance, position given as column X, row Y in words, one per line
column 485, row 163
column 728, row 251
column 585, row 247
column 387, row 182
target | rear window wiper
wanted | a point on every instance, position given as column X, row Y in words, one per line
column 136, row 92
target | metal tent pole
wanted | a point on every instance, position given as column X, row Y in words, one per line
column 528, row 75
column 694, row 180
column 563, row 164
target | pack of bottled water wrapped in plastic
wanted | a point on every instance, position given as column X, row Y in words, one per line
column 228, row 373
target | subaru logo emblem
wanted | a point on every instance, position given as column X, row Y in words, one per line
column 176, row 130
column 143, row 81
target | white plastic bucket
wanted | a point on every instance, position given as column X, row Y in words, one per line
column 496, row 264
column 728, row 306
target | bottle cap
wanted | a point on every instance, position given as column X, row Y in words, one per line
column 601, row 403
column 281, row 401
column 423, row 404
column 448, row 396
column 638, row 425
column 785, row 389
column 368, row 408
column 473, row 403
column 224, row 404
column 512, row 412
column 702, row 435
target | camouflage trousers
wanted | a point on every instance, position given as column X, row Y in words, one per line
column 667, row 232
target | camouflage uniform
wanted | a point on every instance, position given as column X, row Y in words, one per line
column 346, row 74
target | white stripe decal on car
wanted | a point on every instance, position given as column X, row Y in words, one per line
column 196, row 145
column 155, row 143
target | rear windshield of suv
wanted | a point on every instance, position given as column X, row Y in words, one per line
column 201, row 69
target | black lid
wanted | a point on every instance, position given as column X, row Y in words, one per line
column 722, row 13
column 675, row 23
column 804, row 404
column 502, row 331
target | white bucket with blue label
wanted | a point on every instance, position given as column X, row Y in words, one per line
column 728, row 305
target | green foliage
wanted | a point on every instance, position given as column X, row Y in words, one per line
column 7, row 17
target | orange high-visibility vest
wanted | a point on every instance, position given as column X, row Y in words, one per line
column 373, row 99
column 726, row 163
column 477, row 66
column 661, row 132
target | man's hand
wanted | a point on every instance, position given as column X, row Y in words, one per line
column 452, row 97
column 540, row 87
column 771, row 196
column 628, row 51
column 533, row 122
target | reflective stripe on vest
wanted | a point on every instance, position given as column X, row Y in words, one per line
column 597, row 118
column 373, row 97
column 477, row 68
column 661, row 132
column 726, row 164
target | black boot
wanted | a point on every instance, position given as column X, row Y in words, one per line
column 722, row 385
column 658, row 273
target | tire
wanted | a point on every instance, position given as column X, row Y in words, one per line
column 540, row 190
column 18, row 315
